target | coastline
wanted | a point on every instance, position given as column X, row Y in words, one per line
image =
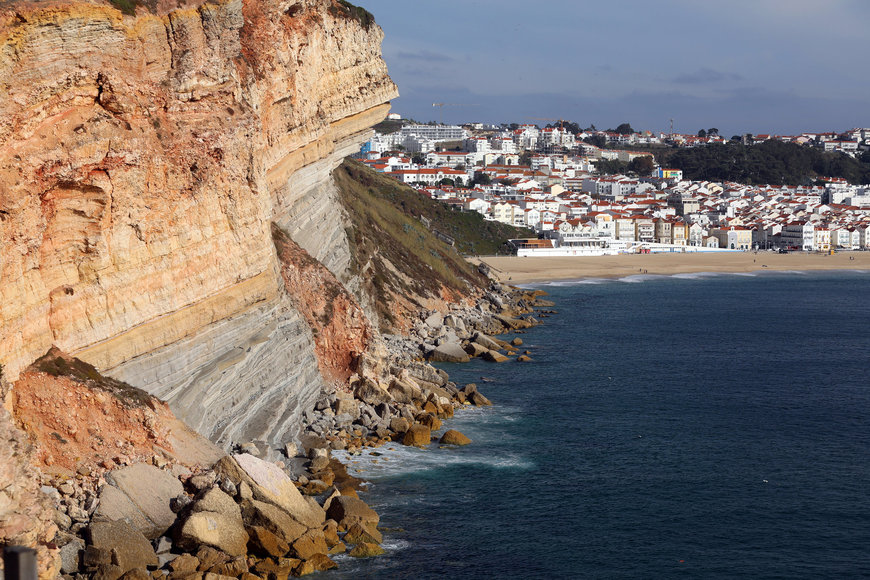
column 516, row 270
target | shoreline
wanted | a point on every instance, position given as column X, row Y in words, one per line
column 528, row 270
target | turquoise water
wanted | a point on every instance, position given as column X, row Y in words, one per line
column 693, row 426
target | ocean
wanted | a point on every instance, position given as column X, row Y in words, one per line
column 689, row 426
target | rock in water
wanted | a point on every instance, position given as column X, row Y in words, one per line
column 479, row 399
column 454, row 437
column 348, row 510
column 366, row 550
column 417, row 436
column 473, row 349
column 361, row 533
column 494, row 356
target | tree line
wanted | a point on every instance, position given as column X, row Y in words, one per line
column 770, row 162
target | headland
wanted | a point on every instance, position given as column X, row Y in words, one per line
column 527, row 270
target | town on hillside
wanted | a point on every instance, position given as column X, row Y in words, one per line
column 550, row 181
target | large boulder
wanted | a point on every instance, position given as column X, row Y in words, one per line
column 140, row 495
column 473, row 349
column 434, row 321
column 361, row 532
column 366, row 550
column 417, row 436
column 264, row 543
column 454, row 322
column 369, row 392
column 479, row 400
column 454, row 437
column 215, row 500
column 425, row 374
column 404, row 390
column 347, row 510
column 311, row 543
column 494, row 356
column 429, row 420
column 129, row 549
column 273, row 519
column 270, row 484
column 346, row 406
column 486, row 341
column 399, row 424
column 513, row 323
column 218, row 530
column 450, row 352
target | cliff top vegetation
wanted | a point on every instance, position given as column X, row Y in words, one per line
column 386, row 226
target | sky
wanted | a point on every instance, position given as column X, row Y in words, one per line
column 741, row 66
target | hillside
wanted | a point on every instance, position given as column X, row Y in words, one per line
column 400, row 261
column 770, row 162
column 472, row 234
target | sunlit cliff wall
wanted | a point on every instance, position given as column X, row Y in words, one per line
column 143, row 160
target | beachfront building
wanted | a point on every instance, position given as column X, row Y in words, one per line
column 799, row 236
column 733, row 237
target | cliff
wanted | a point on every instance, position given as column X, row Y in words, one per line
column 144, row 157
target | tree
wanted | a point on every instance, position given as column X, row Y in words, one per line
column 642, row 165
column 568, row 126
column 597, row 140
column 418, row 159
column 611, row 166
column 702, row 133
column 713, row 131
column 624, row 129
column 481, row 178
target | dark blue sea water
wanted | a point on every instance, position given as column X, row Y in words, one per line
column 693, row 426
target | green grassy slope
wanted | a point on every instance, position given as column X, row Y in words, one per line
column 397, row 253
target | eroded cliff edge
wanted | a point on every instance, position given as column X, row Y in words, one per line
column 143, row 162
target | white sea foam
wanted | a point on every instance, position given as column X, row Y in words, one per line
column 396, row 459
column 638, row 278
column 695, row 275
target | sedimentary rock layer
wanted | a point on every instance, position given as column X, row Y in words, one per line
column 142, row 161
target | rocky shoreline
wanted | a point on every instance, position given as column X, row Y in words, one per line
column 273, row 513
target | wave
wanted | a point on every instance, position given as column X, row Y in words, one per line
column 638, row 278
column 695, row 275
column 400, row 460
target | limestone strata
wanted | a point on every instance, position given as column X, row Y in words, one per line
column 142, row 160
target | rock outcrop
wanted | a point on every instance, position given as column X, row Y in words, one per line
column 144, row 160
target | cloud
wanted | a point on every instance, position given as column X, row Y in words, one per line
column 425, row 56
column 706, row 76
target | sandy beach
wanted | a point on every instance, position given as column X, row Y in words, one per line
column 526, row 270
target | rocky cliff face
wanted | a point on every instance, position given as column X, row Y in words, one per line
column 143, row 161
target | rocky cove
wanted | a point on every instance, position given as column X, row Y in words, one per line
column 200, row 298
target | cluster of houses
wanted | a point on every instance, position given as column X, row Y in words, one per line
column 497, row 144
column 573, row 209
